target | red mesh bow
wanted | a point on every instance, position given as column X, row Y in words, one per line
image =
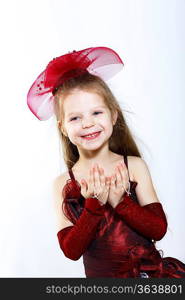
column 101, row 61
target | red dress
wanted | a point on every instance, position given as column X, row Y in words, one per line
column 118, row 250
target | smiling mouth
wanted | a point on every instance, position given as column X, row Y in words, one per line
column 92, row 135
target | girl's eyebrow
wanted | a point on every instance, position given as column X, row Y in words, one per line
column 78, row 112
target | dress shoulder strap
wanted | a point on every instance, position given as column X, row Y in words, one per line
column 126, row 163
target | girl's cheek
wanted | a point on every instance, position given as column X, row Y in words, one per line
column 106, row 122
column 74, row 130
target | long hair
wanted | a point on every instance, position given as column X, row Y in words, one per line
column 121, row 140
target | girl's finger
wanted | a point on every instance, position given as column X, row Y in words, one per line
column 107, row 185
column 119, row 179
column 96, row 177
column 83, row 187
column 107, row 180
column 84, row 183
column 102, row 177
column 124, row 172
column 91, row 181
column 113, row 179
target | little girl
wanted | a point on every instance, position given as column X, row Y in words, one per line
column 107, row 208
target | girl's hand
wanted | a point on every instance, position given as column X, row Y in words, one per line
column 118, row 185
column 97, row 185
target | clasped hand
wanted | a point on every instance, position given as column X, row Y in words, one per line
column 106, row 189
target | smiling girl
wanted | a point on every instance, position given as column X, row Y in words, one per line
column 107, row 208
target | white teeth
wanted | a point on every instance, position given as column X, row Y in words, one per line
column 91, row 135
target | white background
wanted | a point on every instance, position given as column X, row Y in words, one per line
column 149, row 37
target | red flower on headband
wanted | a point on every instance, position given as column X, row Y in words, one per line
column 100, row 61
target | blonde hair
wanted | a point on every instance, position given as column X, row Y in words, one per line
column 121, row 140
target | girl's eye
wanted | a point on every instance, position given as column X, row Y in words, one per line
column 98, row 112
column 73, row 118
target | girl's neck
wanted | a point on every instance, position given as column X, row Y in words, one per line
column 102, row 159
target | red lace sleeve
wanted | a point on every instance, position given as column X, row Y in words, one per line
column 74, row 240
column 148, row 220
column 73, row 201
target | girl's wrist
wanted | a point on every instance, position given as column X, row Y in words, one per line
column 126, row 201
column 114, row 205
column 96, row 197
column 93, row 205
column 121, row 201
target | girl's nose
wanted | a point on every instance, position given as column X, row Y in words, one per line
column 87, row 122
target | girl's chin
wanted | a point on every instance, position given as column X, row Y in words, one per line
column 90, row 146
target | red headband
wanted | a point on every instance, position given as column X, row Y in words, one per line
column 101, row 61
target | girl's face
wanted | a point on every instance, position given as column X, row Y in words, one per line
column 85, row 113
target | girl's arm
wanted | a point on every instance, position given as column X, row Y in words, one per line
column 149, row 220
column 74, row 239
column 144, row 190
column 58, row 185
column 147, row 217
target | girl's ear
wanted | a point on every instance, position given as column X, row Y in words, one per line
column 114, row 117
column 61, row 128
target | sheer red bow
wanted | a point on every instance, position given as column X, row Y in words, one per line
column 101, row 61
